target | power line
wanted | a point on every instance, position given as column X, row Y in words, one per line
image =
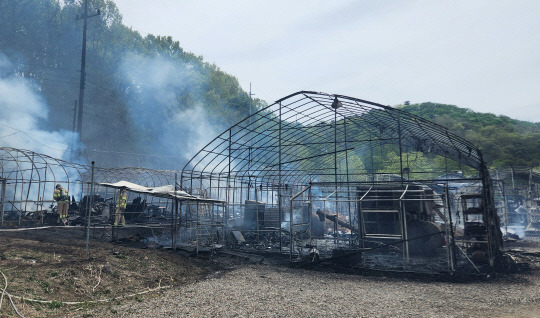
column 29, row 133
column 29, row 136
column 10, row 134
column 130, row 153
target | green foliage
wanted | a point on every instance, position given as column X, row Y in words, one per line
column 45, row 285
column 502, row 140
column 55, row 304
column 355, row 167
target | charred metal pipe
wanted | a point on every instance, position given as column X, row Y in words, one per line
column 333, row 217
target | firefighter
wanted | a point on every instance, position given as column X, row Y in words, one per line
column 61, row 196
column 121, row 204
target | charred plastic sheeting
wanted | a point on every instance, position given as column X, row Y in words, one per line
column 385, row 172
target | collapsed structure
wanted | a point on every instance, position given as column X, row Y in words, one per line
column 322, row 176
column 313, row 176
column 518, row 199
column 28, row 179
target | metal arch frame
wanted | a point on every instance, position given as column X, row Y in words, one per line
column 271, row 148
column 31, row 183
column 253, row 156
column 302, row 139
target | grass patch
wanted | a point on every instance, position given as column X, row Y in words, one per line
column 28, row 290
column 45, row 285
column 32, row 277
column 83, row 305
column 54, row 305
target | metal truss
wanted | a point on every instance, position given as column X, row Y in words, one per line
column 312, row 147
column 28, row 179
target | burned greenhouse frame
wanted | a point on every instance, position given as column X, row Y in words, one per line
column 322, row 177
column 28, row 179
column 517, row 196
column 311, row 177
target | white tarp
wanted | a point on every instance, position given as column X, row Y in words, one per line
column 166, row 191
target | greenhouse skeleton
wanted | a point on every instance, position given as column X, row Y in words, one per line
column 306, row 177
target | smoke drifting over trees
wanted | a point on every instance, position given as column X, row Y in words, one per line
column 24, row 116
column 147, row 101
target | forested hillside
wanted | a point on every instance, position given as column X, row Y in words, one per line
column 144, row 95
column 502, row 140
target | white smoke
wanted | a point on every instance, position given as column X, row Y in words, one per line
column 200, row 131
column 159, row 82
column 518, row 230
column 24, row 125
column 24, row 116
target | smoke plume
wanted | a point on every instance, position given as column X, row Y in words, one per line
column 165, row 106
column 24, row 116
column 24, row 125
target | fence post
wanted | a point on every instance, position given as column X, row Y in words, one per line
column 89, row 211
column 3, row 198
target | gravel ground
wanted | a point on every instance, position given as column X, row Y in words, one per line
column 280, row 291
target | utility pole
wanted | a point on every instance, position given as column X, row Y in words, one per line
column 250, row 129
column 250, row 94
column 84, row 17
column 74, row 127
column 74, row 115
column 250, row 113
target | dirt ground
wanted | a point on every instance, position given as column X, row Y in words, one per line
column 50, row 265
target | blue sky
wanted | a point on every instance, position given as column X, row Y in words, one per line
column 481, row 55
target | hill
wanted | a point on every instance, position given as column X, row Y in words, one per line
column 502, row 140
